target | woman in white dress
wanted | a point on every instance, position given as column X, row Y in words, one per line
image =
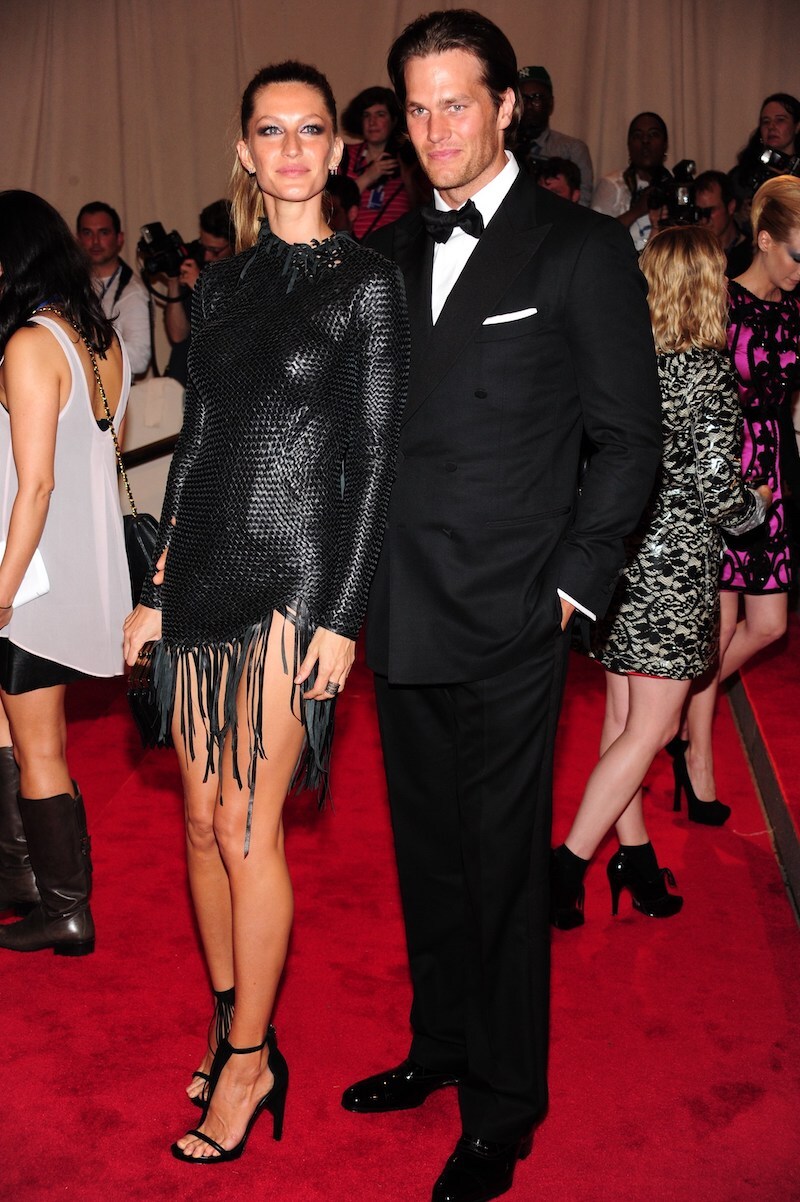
column 58, row 493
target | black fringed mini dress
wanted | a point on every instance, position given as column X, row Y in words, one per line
column 278, row 490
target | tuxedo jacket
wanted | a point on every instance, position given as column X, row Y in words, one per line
column 543, row 354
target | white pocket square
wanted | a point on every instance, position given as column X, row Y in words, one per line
column 518, row 316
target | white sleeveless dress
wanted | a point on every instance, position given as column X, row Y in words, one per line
column 79, row 622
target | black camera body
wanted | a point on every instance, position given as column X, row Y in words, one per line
column 676, row 195
column 161, row 253
column 776, row 163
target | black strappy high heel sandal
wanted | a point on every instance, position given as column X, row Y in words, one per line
column 223, row 1017
column 274, row 1101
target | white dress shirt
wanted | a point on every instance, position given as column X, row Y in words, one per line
column 451, row 257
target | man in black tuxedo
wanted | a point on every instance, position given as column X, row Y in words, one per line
column 530, row 341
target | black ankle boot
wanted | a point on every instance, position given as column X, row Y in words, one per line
column 17, row 883
column 636, row 869
column 566, row 888
column 58, row 845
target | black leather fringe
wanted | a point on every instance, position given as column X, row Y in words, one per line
column 210, row 677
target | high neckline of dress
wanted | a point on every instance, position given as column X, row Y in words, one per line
column 762, row 300
column 300, row 259
column 316, row 246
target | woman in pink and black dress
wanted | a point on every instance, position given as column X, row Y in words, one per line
column 764, row 341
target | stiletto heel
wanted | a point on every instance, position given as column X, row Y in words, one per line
column 274, row 1101
column 708, row 813
column 650, row 896
column 223, row 1017
column 616, row 889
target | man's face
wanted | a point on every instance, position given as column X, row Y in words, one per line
column 214, row 249
column 537, row 105
column 454, row 123
column 647, row 145
column 717, row 216
column 100, row 240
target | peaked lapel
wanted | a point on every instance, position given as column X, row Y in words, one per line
column 508, row 243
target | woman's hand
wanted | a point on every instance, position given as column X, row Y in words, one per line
column 140, row 627
column 334, row 655
column 763, row 490
column 386, row 165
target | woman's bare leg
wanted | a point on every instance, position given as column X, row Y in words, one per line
column 39, row 735
column 764, row 621
column 654, row 707
column 261, row 897
column 208, row 880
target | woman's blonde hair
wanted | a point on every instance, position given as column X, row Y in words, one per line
column 247, row 203
column 776, row 208
column 685, row 271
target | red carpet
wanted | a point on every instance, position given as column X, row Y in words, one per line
column 675, row 1069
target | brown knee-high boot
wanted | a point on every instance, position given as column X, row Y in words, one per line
column 58, row 845
column 17, row 884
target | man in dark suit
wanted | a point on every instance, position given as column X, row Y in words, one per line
column 530, row 339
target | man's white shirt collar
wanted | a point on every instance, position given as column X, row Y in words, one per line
column 488, row 200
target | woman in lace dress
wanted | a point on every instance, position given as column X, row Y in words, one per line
column 271, row 527
column 661, row 631
column 757, row 569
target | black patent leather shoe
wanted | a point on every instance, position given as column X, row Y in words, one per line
column 400, row 1088
column 480, row 1170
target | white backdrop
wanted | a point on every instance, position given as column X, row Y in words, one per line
column 134, row 101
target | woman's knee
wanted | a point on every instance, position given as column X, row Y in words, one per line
column 200, row 834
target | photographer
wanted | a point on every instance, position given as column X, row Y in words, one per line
column 377, row 164
column 625, row 194
column 215, row 243
column 716, row 202
column 122, row 297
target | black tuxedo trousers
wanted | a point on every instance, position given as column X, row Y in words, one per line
column 469, row 770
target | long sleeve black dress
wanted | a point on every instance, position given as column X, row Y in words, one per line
column 277, row 495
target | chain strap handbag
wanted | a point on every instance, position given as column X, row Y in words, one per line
column 141, row 529
column 141, row 537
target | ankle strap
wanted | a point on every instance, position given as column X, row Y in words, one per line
column 246, row 1051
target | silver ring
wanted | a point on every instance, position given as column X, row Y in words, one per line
column 332, row 688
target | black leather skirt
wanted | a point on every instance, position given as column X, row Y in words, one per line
column 22, row 672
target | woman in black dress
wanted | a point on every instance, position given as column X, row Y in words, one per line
column 271, row 527
column 662, row 628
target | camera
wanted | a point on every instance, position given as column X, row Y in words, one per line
column 676, row 195
column 776, row 163
column 161, row 253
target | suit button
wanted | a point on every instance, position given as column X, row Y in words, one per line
column 451, row 467
column 447, row 532
column 481, row 394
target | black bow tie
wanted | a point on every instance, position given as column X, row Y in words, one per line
column 441, row 223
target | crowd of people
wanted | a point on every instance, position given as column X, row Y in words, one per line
column 619, row 462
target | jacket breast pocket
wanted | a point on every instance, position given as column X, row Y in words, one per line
column 502, row 331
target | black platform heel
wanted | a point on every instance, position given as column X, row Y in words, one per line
column 708, row 813
column 274, row 1101
column 223, row 1017
column 651, row 896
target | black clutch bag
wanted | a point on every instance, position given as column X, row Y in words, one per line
column 142, row 702
column 141, row 536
